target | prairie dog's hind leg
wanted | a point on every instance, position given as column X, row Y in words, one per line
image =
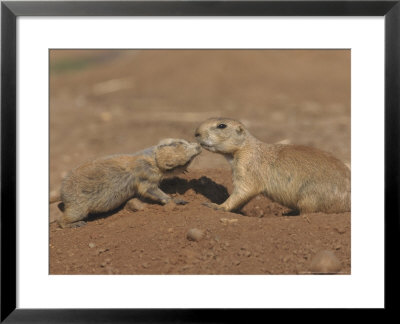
column 308, row 205
column 72, row 217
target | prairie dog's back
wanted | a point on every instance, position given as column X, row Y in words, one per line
column 305, row 162
column 100, row 182
column 299, row 171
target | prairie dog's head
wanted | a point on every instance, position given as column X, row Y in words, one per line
column 221, row 135
column 175, row 154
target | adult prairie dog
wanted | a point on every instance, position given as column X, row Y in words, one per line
column 104, row 184
column 302, row 178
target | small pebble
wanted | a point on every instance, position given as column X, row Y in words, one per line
column 258, row 212
column 171, row 206
column 227, row 221
column 325, row 262
column 195, row 234
column 92, row 245
column 340, row 230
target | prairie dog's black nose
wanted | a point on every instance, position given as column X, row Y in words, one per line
column 196, row 135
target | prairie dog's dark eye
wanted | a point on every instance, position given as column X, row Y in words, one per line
column 221, row 126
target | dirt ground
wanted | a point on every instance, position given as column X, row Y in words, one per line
column 107, row 102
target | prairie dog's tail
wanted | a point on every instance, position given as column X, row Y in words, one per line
column 55, row 196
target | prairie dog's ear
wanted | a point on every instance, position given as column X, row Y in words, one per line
column 163, row 156
column 239, row 129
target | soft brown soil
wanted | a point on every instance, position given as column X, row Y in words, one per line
column 107, row 102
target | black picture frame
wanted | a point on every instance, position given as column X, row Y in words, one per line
column 10, row 10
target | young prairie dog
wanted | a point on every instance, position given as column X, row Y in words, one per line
column 305, row 179
column 104, row 184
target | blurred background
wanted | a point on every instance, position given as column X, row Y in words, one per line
column 119, row 101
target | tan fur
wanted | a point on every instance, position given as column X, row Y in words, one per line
column 302, row 178
column 104, row 184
